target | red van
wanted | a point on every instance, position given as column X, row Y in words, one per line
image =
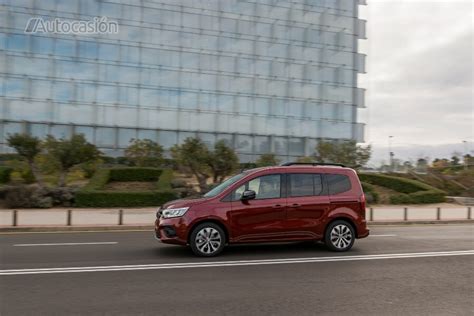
column 291, row 202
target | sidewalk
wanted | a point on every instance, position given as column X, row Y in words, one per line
column 83, row 217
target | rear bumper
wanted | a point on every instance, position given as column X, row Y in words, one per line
column 362, row 230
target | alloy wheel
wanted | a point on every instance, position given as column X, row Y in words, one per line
column 341, row 236
column 208, row 240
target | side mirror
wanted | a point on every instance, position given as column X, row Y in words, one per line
column 248, row 195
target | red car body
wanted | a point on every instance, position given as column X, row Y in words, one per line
column 283, row 218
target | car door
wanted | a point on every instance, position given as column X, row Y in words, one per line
column 306, row 205
column 261, row 218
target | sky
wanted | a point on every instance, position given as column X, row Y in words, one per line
column 419, row 77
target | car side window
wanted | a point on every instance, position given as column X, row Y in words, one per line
column 338, row 183
column 305, row 184
column 301, row 184
column 265, row 187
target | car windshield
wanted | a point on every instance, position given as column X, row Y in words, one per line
column 224, row 185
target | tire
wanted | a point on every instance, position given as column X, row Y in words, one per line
column 207, row 240
column 339, row 236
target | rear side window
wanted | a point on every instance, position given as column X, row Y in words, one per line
column 338, row 183
column 305, row 184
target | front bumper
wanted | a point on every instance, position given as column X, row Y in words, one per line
column 171, row 231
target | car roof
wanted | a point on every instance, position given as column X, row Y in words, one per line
column 299, row 167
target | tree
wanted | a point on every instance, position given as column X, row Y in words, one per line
column 422, row 165
column 468, row 160
column 455, row 161
column 144, row 153
column 347, row 153
column 223, row 161
column 194, row 156
column 267, row 160
column 440, row 163
column 70, row 153
column 28, row 147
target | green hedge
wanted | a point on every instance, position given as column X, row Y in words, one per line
column 369, row 190
column 5, row 174
column 98, row 181
column 92, row 194
column 122, row 199
column 134, row 174
column 164, row 182
column 411, row 191
column 398, row 184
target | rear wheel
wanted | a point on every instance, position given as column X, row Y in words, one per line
column 340, row 236
column 207, row 240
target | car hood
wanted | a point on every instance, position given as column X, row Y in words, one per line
column 188, row 202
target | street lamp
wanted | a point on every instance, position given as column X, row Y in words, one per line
column 390, row 153
column 466, row 160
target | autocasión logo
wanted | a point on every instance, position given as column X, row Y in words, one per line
column 97, row 25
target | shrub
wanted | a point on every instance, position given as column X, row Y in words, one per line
column 5, row 173
column 412, row 191
column 420, row 197
column 135, row 174
column 27, row 175
column 401, row 185
column 247, row 165
column 122, row 199
column 164, row 183
column 63, row 196
column 371, row 195
column 93, row 196
column 9, row 157
column 178, row 183
column 98, row 181
column 27, row 197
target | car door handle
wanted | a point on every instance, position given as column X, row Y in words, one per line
column 295, row 205
column 277, row 206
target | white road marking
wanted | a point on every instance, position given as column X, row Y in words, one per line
column 387, row 235
column 234, row 263
column 68, row 244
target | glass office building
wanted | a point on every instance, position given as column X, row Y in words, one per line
column 263, row 75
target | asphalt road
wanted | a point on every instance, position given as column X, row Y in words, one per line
column 415, row 270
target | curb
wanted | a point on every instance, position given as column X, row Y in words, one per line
column 98, row 228
column 422, row 222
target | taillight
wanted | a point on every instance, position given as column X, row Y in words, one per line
column 362, row 204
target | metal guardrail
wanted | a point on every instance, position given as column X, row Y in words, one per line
column 372, row 215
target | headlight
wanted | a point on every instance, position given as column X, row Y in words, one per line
column 174, row 212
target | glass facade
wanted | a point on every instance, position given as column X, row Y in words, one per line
column 263, row 75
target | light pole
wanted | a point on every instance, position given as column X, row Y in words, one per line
column 465, row 158
column 390, row 153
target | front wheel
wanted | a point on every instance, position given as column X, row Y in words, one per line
column 207, row 240
column 339, row 236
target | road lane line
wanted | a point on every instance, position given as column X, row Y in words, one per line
column 69, row 244
column 234, row 263
column 386, row 235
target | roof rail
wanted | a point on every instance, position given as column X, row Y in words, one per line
column 287, row 164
